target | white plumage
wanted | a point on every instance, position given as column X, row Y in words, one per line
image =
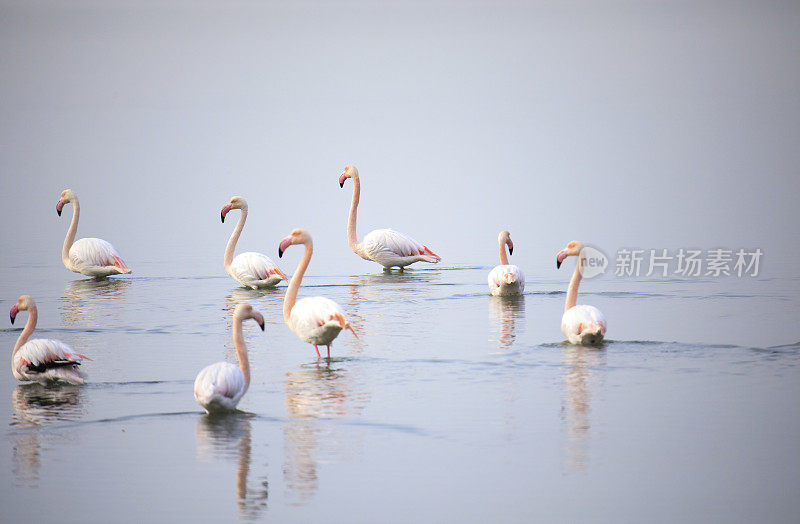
column 316, row 320
column 255, row 270
column 506, row 279
column 387, row 247
column 219, row 387
column 93, row 257
column 250, row 269
column 584, row 325
column 42, row 360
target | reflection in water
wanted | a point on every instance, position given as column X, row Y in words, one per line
column 579, row 373
column 228, row 436
column 84, row 302
column 312, row 394
column 263, row 300
column 35, row 405
column 508, row 314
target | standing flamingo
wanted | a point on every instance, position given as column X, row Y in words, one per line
column 220, row 386
column 384, row 246
column 584, row 325
column 93, row 257
column 43, row 360
column 316, row 320
column 506, row 279
column 252, row 270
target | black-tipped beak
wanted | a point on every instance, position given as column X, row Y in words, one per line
column 261, row 325
column 58, row 211
column 280, row 253
column 12, row 318
column 558, row 263
column 341, row 184
column 511, row 251
column 222, row 217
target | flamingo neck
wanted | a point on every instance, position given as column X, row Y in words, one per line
column 71, row 232
column 241, row 351
column 572, row 290
column 33, row 316
column 294, row 285
column 237, row 231
column 503, row 256
column 352, row 240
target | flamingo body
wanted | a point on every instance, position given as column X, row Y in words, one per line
column 255, row 270
column 317, row 320
column 584, row 325
column 506, row 279
column 219, row 387
column 391, row 248
column 96, row 258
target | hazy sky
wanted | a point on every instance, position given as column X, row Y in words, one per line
column 638, row 124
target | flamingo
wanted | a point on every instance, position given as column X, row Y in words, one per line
column 220, row 386
column 316, row 320
column 584, row 325
column 252, row 270
column 43, row 360
column 506, row 279
column 387, row 247
column 93, row 257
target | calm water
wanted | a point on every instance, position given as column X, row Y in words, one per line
column 452, row 405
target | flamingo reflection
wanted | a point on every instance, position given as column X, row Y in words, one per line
column 86, row 302
column 313, row 394
column 35, row 405
column 508, row 315
column 229, row 437
column 581, row 368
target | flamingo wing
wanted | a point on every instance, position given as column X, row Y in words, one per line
column 507, row 275
column 255, row 270
column 89, row 253
column 219, row 386
column 47, row 360
column 388, row 241
column 578, row 319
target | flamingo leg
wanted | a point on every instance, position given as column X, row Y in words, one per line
column 329, row 351
column 317, row 350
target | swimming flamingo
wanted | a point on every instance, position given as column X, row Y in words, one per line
column 316, row 320
column 252, row 270
column 584, row 325
column 506, row 279
column 384, row 246
column 220, row 386
column 93, row 257
column 43, row 360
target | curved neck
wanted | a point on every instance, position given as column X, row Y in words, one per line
column 503, row 256
column 241, row 351
column 572, row 290
column 71, row 232
column 352, row 240
column 291, row 292
column 33, row 316
column 237, row 231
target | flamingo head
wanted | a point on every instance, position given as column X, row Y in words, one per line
column 298, row 236
column 350, row 171
column 505, row 238
column 236, row 202
column 23, row 304
column 572, row 249
column 244, row 311
column 66, row 196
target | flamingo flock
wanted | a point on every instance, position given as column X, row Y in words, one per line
column 315, row 320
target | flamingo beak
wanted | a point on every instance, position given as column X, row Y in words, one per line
column 510, row 247
column 14, row 311
column 59, row 206
column 560, row 257
column 225, row 209
column 342, row 179
column 259, row 318
column 286, row 242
